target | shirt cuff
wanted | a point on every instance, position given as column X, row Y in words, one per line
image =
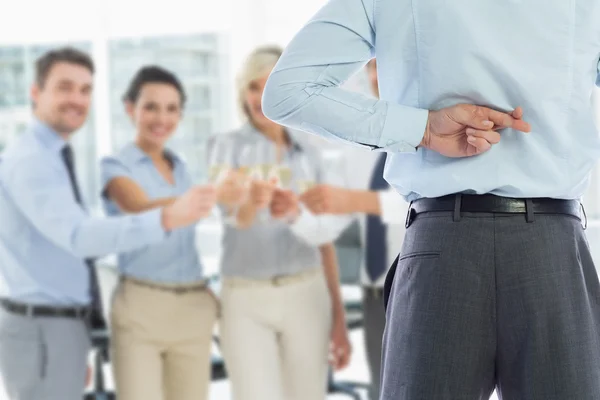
column 403, row 129
column 306, row 225
column 318, row 230
column 393, row 207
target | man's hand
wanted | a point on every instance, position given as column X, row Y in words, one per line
column 285, row 204
column 466, row 130
column 340, row 349
column 326, row 199
column 233, row 190
column 261, row 193
column 189, row 208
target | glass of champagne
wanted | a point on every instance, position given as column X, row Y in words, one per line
column 221, row 162
column 284, row 175
column 254, row 166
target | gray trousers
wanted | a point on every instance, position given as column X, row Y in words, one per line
column 42, row 358
column 491, row 300
column 374, row 324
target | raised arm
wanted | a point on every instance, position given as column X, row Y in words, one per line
column 303, row 91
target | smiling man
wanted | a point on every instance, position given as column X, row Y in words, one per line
column 48, row 296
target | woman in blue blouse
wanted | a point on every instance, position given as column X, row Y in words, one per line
column 163, row 313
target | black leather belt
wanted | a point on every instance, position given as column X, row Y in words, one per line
column 30, row 310
column 487, row 203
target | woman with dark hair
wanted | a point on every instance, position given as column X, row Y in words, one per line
column 163, row 313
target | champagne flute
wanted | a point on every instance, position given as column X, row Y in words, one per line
column 221, row 163
column 268, row 161
column 249, row 162
column 254, row 165
column 284, row 174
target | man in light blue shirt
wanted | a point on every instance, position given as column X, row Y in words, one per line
column 494, row 286
column 46, row 236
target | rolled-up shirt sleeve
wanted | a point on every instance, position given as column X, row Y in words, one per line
column 111, row 168
column 303, row 90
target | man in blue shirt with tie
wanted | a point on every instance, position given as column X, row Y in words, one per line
column 47, row 240
column 494, row 286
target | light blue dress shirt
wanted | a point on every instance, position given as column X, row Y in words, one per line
column 174, row 260
column 45, row 235
column 432, row 54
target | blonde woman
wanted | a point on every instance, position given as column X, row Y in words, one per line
column 282, row 313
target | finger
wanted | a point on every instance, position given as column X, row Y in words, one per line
column 477, row 145
column 207, row 200
column 492, row 137
column 284, row 194
column 311, row 192
column 277, row 213
column 310, row 200
column 315, row 190
column 341, row 358
column 517, row 113
column 503, row 120
column 344, row 360
column 333, row 357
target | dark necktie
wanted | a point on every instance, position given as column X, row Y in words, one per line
column 96, row 317
column 376, row 251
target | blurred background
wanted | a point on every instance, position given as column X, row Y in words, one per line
column 204, row 43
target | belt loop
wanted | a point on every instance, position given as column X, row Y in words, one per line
column 529, row 211
column 457, row 207
column 410, row 215
column 584, row 220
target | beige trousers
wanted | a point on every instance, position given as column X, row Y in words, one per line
column 275, row 337
column 161, row 343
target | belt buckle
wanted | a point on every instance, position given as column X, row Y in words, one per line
column 180, row 290
column 83, row 313
column 277, row 280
